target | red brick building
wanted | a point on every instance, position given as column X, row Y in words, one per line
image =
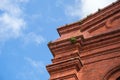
column 88, row 49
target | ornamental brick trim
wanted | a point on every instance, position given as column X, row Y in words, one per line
column 70, row 63
column 93, row 19
column 96, row 50
column 111, row 72
column 67, row 77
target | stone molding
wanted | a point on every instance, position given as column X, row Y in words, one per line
column 86, row 45
column 93, row 19
column 70, row 58
column 67, row 77
column 111, row 72
column 74, row 63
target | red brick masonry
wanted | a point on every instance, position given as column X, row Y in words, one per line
column 95, row 53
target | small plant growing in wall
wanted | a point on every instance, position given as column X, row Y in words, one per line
column 73, row 40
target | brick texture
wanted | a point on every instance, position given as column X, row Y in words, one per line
column 95, row 53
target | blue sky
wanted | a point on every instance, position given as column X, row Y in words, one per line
column 26, row 26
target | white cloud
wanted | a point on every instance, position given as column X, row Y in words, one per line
column 82, row 8
column 11, row 21
column 33, row 38
column 37, row 65
column 10, row 27
column 22, row 0
column 92, row 6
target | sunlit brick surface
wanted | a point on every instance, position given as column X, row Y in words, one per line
column 95, row 55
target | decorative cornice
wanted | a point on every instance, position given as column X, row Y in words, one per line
column 60, row 46
column 91, row 20
column 70, row 63
column 87, row 49
column 101, row 41
column 112, row 20
column 68, row 28
column 86, row 41
column 101, row 56
column 102, row 37
column 61, row 43
column 66, row 57
column 67, row 77
column 96, row 46
column 102, row 16
column 92, row 43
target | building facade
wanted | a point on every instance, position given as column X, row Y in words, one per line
column 88, row 49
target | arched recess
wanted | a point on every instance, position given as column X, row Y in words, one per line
column 113, row 74
column 118, row 78
column 113, row 21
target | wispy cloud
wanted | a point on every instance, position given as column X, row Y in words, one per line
column 74, row 10
column 82, row 8
column 39, row 66
column 11, row 19
column 13, row 23
column 22, row 0
column 33, row 38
